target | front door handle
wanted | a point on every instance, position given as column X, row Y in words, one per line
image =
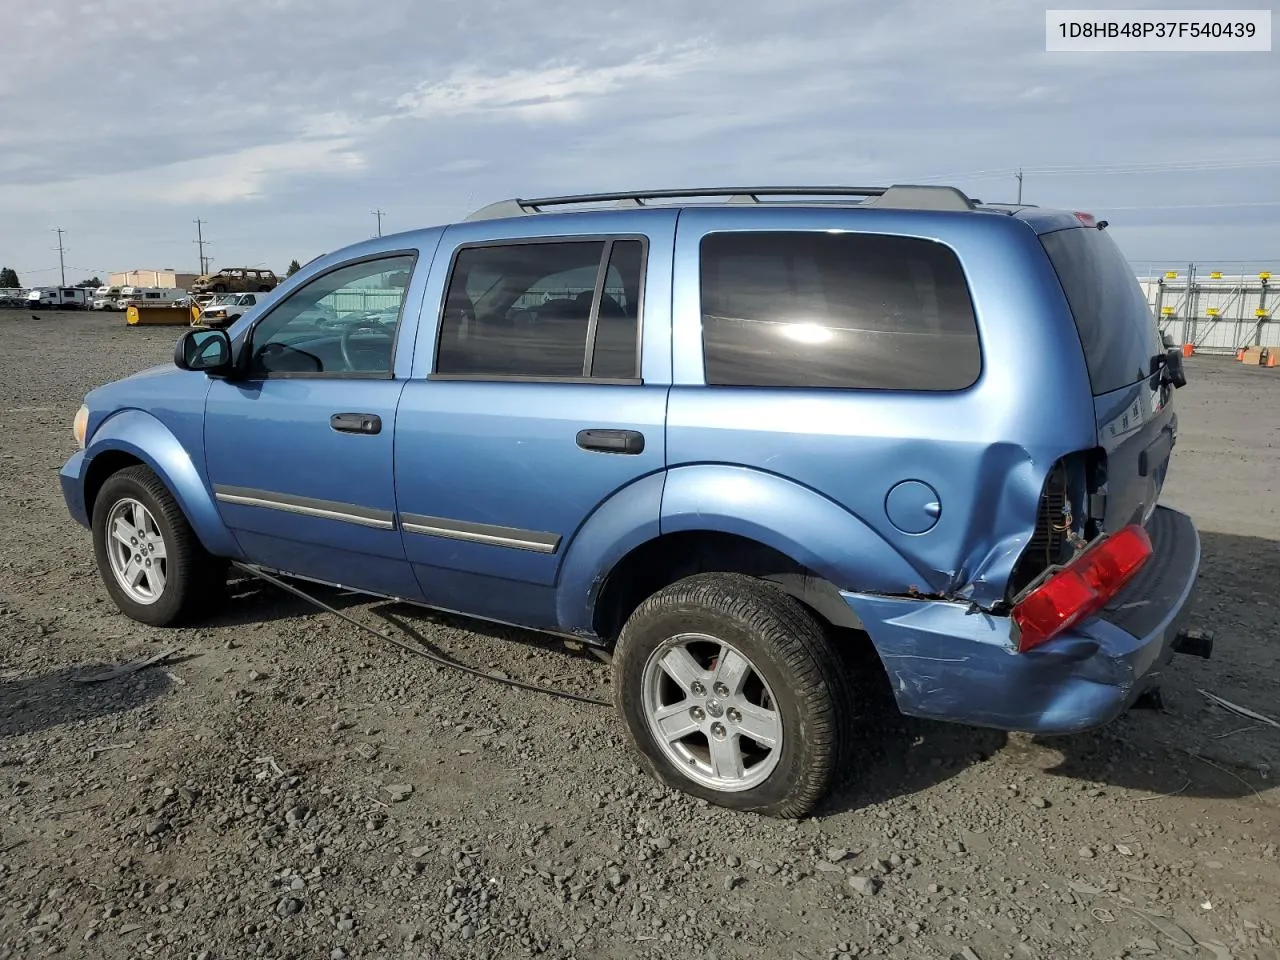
column 612, row 441
column 356, row 422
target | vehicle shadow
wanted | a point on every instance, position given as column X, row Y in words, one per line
column 414, row 622
column 1187, row 746
column 251, row 600
column 33, row 704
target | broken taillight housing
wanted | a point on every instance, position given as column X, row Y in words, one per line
column 1081, row 588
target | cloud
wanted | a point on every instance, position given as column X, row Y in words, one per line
column 239, row 175
column 561, row 92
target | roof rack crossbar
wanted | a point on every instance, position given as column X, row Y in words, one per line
column 898, row 196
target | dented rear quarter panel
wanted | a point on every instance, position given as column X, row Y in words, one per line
column 985, row 450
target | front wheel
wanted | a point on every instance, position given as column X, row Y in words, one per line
column 150, row 559
column 730, row 691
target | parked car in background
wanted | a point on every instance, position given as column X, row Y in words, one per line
column 727, row 442
column 236, row 280
column 225, row 309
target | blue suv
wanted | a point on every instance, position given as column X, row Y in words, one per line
column 725, row 435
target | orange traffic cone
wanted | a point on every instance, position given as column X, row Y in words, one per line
column 1240, row 354
column 1188, row 349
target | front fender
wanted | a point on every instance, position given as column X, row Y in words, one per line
column 619, row 525
column 142, row 435
column 790, row 518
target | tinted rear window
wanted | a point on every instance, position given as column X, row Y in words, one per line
column 844, row 310
column 1117, row 329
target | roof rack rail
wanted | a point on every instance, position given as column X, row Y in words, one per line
column 897, row 197
column 997, row 206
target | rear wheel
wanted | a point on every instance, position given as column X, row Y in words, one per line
column 152, row 564
column 730, row 692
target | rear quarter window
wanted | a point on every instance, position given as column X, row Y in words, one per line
column 1117, row 328
column 836, row 310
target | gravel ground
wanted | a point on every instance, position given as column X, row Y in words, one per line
column 287, row 786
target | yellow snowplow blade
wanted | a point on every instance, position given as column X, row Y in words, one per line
column 157, row 316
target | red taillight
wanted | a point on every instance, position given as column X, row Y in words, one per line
column 1087, row 219
column 1081, row 588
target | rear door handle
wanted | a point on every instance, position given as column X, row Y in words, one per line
column 356, row 422
column 612, row 441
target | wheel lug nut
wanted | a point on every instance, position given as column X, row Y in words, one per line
column 698, row 714
column 733, row 715
column 718, row 731
column 698, row 689
column 721, row 690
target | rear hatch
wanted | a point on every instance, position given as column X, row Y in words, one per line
column 1122, row 346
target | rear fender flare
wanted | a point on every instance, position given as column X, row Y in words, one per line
column 141, row 435
column 619, row 525
column 795, row 520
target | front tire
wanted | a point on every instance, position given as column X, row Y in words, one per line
column 153, row 565
column 730, row 691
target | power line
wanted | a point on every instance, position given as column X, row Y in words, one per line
column 62, row 264
column 1199, row 206
column 379, row 214
column 1110, row 169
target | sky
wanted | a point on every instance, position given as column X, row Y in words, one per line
column 283, row 124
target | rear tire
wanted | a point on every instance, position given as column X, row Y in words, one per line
column 153, row 565
column 707, row 662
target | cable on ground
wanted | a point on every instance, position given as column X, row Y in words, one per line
column 413, row 647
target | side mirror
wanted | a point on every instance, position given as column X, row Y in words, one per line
column 206, row 350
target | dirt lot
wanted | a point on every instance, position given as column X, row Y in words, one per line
column 234, row 801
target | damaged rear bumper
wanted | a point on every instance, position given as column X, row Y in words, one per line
column 950, row 661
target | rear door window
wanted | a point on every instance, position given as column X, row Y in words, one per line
column 1117, row 328
column 564, row 310
column 842, row 310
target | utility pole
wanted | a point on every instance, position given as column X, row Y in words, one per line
column 62, row 263
column 379, row 214
column 199, row 241
column 1019, row 185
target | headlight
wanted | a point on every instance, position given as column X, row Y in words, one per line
column 80, row 424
